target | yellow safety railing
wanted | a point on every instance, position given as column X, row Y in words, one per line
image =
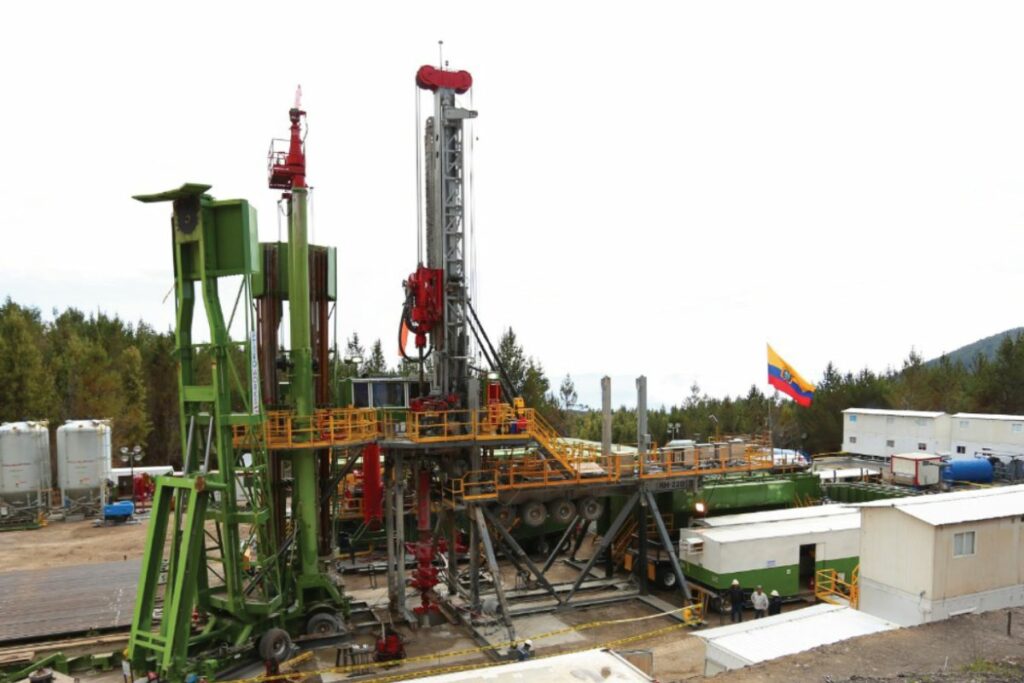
column 283, row 430
column 830, row 588
column 663, row 463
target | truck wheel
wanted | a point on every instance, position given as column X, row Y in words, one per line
column 275, row 645
column 324, row 624
column 666, row 578
column 591, row 508
column 562, row 511
column 506, row 515
column 534, row 513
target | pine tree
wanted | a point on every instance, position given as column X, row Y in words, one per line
column 376, row 365
column 567, row 393
column 26, row 389
column 132, row 426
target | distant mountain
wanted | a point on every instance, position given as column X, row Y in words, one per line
column 987, row 347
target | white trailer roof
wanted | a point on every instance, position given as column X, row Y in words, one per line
column 895, row 413
column 784, row 634
column 959, row 506
column 774, row 515
column 916, row 455
column 588, row 665
column 985, row 416
column 779, row 529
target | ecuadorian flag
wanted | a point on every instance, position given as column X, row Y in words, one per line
column 783, row 377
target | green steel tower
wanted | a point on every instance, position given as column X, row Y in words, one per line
column 242, row 578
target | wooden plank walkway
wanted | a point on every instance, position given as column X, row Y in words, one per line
column 46, row 603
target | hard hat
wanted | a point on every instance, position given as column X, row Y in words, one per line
column 775, row 594
column 735, row 582
column 528, row 643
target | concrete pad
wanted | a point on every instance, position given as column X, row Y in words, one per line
column 539, row 624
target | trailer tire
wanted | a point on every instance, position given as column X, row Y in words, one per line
column 534, row 514
column 275, row 645
column 562, row 511
column 666, row 578
column 506, row 515
column 324, row 624
column 591, row 508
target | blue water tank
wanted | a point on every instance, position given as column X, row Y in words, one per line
column 122, row 509
column 975, row 470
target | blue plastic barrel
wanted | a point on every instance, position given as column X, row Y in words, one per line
column 977, row 470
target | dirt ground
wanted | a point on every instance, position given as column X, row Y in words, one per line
column 971, row 647
column 69, row 543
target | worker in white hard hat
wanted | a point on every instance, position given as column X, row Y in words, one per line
column 774, row 603
column 524, row 651
column 736, row 600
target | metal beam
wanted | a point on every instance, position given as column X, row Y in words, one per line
column 666, row 541
column 492, row 563
column 554, row 551
column 518, row 551
column 605, row 542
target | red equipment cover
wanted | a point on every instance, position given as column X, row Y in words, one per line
column 430, row 78
column 373, row 508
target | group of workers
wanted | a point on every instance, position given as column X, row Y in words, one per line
column 772, row 604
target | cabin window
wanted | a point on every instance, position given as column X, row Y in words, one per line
column 921, row 422
column 890, row 420
column 1016, row 427
column 890, row 443
column 964, row 424
column 922, row 446
column 853, row 418
column 853, row 439
column 961, row 449
column 963, row 544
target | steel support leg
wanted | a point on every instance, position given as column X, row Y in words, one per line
column 474, row 559
column 605, row 542
column 492, row 563
column 579, row 541
column 523, row 557
column 673, row 556
column 640, row 568
column 389, row 532
column 554, row 551
column 400, row 533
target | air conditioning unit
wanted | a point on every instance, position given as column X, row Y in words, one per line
column 692, row 546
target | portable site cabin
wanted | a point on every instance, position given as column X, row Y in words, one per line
column 974, row 434
column 780, row 552
column 881, row 433
column 931, row 557
column 915, row 469
column 749, row 642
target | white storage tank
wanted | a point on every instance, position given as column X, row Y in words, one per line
column 24, row 472
column 83, row 464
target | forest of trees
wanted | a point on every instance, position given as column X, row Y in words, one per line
column 78, row 366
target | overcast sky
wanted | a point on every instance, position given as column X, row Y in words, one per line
column 660, row 188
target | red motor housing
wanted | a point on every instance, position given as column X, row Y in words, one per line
column 425, row 287
column 433, row 79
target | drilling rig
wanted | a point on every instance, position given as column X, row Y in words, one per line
column 242, row 530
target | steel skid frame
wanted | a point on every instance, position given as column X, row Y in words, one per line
column 490, row 539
